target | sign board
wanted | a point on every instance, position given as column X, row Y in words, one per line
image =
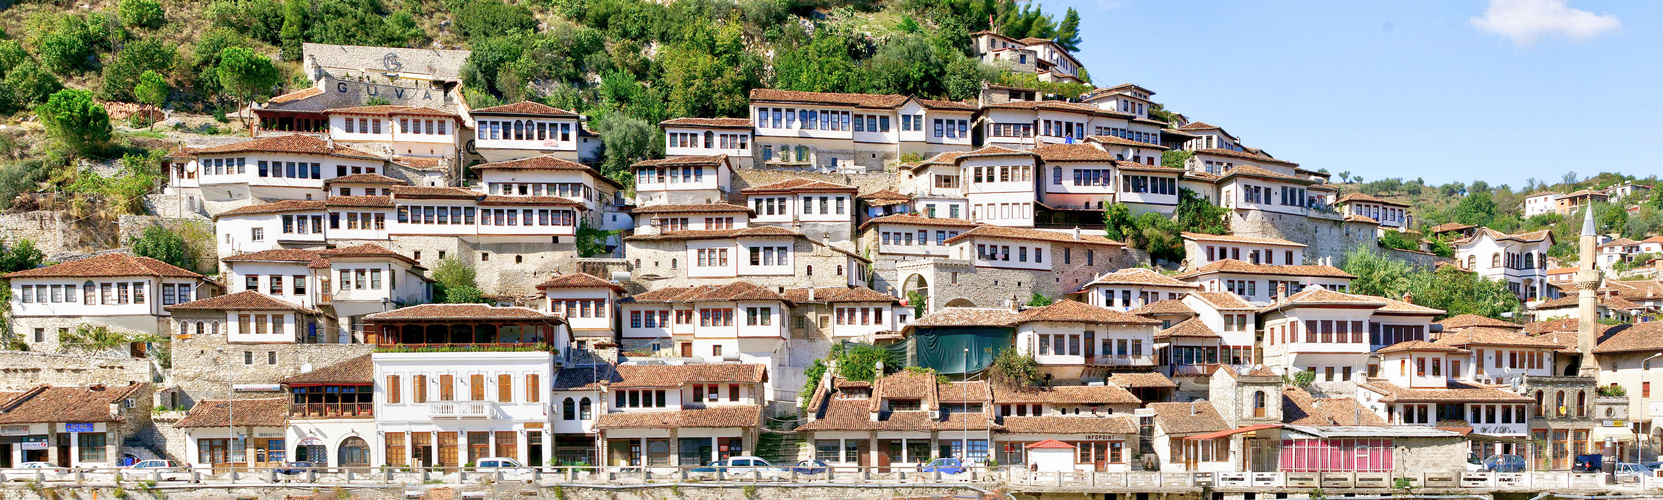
column 1613, row 423
column 310, row 441
column 34, row 443
column 257, row 387
column 14, row 430
column 79, row 428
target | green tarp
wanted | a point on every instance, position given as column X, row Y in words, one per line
column 943, row 349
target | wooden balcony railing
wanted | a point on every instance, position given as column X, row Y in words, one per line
column 332, row 410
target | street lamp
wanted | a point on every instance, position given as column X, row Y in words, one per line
column 964, row 453
column 230, row 414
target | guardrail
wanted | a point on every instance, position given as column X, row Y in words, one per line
column 1017, row 478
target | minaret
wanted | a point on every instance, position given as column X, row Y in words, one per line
column 1587, row 282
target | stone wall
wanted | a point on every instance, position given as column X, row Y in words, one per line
column 500, row 268
column 51, row 231
column 1324, row 238
column 20, row 370
column 200, row 371
column 1421, row 260
column 955, row 282
column 865, row 182
column 1431, row 454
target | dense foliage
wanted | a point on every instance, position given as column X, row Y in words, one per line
column 1448, row 288
column 163, row 244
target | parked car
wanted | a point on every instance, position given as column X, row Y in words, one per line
column 1474, row 464
column 509, row 467
column 28, row 471
column 742, row 465
column 298, row 468
column 1505, row 463
column 171, row 470
column 809, row 467
column 1591, row 462
column 944, row 466
column 1630, row 472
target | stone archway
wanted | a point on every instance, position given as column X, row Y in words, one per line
column 916, row 283
column 960, row 303
column 353, row 452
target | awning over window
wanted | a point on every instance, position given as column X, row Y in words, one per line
column 1613, row 433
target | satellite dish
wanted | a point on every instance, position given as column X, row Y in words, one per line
column 190, row 166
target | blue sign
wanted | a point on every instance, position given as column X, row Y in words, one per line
column 78, row 428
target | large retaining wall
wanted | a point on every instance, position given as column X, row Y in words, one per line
column 51, row 231
column 1324, row 238
column 20, row 370
column 200, row 371
column 751, row 177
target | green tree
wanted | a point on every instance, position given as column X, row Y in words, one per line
column 163, row 244
column 1477, row 208
column 294, row 28
column 1014, row 369
column 140, row 13
column 121, row 75
column 454, row 282
column 1117, row 222
column 1198, row 215
column 908, row 65
column 1068, row 33
column 626, row 140
column 1176, row 158
column 12, row 54
column 152, row 90
column 823, row 65
column 590, row 241
column 859, row 362
column 89, row 338
column 19, row 256
column 63, row 51
column 30, row 85
column 486, row 18
column 1037, row 300
column 246, row 74
column 1376, row 273
column 72, row 117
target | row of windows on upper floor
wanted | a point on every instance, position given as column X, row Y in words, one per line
column 521, row 130
column 561, row 189
column 373, row 126
column 713, row 317
column 777, row 205
column 109, row 294
column 904, row 238
column 711, row 140
column 672, row 175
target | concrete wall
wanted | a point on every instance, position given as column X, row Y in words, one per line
column 501, row 273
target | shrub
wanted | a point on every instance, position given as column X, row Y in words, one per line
column 30, row 84
column 141, row 13
column 72, row 116
column 121, row 76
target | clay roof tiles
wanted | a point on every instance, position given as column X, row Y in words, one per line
column 1456, row 392
column 48, row 404
column 376, row 179
column 267, row 412
column 832, row 295
column 275, row 207
column 358, row 370
column 294, row 143
column 968, row 316
column 1188, row 418
column 524, row 108
column 1300, row 408
column 1190, row 328
column 707, row 122
column 388, row 110
column 1164, row 307
column 247, row 300
column 1065, row 394
column 1224, row 301
column 1139, row 276
column 1121, row 141
column 578, row 280
column 1240, row 267
column 798, row 185
column 710, row 417
column 113, row 265
column 1071, row 311
column 1365, row 198
column 1142, row 380
column 918, row 220
column 1471, row 320
column 699, row 208
column 359, row 201
column 1112, row 424
column 1073, row 153
column 1016, row 233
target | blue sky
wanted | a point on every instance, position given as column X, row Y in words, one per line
column 1493, row 90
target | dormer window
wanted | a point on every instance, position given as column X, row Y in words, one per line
column 905, row 405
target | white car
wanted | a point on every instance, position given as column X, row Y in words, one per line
column 146, row 469
column 510, row 468
column 29, row 471
column 742, row 466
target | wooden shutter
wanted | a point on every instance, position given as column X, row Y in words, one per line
column 418, row 388
column 505, row 388
column 476, row 387
column 447, row 387
column 392, row 388
column 533, row 388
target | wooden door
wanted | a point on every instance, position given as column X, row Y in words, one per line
column 863, row 449
column 888, row 451
column 686, row 349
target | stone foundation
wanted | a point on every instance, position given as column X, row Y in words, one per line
column 21, row 370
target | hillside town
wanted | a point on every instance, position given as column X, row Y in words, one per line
column 871, row 281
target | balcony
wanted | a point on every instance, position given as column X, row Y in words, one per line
column 462, row 410
column 332, row 410
column 1100, row 360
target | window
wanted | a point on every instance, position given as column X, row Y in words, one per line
column 92, row 446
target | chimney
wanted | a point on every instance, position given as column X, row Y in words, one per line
column 811, row 294
column 1408, row 297
column 1076, row 232
column 1281, row 291
column 1012, row 303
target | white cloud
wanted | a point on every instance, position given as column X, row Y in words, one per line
column 1524, row 21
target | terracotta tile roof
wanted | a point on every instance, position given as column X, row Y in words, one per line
column 968, row 316
column 459, row 312
column 357, row 370
column 1065, row 394
column 1361, row 219
column 1419, row 346
column 1394, row 306
column 690, row 161
column 297, row 95
column 1066, row 107
column 1256, row 172
column 376, row 179
column 47, row 404
column 525, row 108
column 1456, row 392
column 389, row 110
column 578, row 280
column 366, row 250
column 1016, row 233
column 711, row 417
column 710, row 234
column 1190, row 328
column 907, row 384
column 1243, row 155
column 268, row 412
column 1239, row 267
column 1647, row 336
column 1225, row 238
column 950, row 105
column 918, row 220
column 1364, row 198
column 1557, row 325
column 1071, row 311
column 1300, row 408
column 1319, row 296
column 1142, row 380
column 1448, row 227
column 701, row 208
column 276, row 255
column 402, row 192
column 738, row 290
column 556, row 201
column 1120, row 141
column 964, row 392
column 420, row 162
column 1199, row 126
column 294, row 143
column 882, row 101
column 856, row 414
column 547, row 163
column 1139, row 276
column 359, row 201
column 1570, row 301
column 798, row 185
column 1164, row 307
column 247, row 300
column 744, row 123
column 275, row 207
column 883, row 197
column 1471, row 320
column 1073, row 153
column 1188, row 418
column 833, row 295
column 947, row 158
column 113, row 265
column 1224, row 301
column 630, row 376
column 993, row 151
column 1110, row 424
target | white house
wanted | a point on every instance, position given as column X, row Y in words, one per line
column 1073, row 340
column 833, row 131
column 999, row 185
column 1132, row 288
column 332, row 414
column 1518, row 259
column 682, row 180
column 1201, row 249
column 527, row 128
column 1389, row 213
column 285, row 167
column 691, row 136
column 713, row 322
column 1540, row 203
column 408, row 131
column 117, row 290
column 1332, row 334
column 818, row 209
column 1264, row 283
column 678, row 415
column 587, row 303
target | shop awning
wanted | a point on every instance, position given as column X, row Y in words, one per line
column 1613, row 433
column 1231, row 432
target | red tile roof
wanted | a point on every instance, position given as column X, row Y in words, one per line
column 267, row 412
column 1139, row 276
column 880, row 101
column 295, row 143
column 1364, row 198
column 711, row 417
column 918, row 220
column 459, row 312
column 1457, row 392
column 690, row 161
column 113, row 265
column 376, row 179
column 1243, row 155
column 1190, row 328
column 357, row 370
column 1070, row 311
column 1120, row 141
column 701, row 208
column 1074, row 153
column 359, row 201
column 1226, row 238
column 389, row 110
column 1188, row 418
column 442, row 192
column 1471, row 320
column 578, row 280
column 744, row 123
column 524, row 108
column 798, row 185
column 1239, row 267
column 275, row 207
column 247, row 300
column 1164, row 307
column 1106, row 424
column 968, row 316
column 839, row 295
column 739, row 290
column 1224, row 300
column 708, row 234
column 51, row 405
column 1016, row 233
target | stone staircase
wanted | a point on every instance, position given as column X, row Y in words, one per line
column 780, row 443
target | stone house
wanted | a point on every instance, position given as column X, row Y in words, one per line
column 820, row 210
column 683, row 180
column 72, row 426
column 670, row 415
column 118, row 291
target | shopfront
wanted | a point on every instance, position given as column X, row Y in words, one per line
column 258, row 438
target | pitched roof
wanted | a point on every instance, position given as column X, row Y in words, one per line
column 1107, row 424
column 111, row 265
column 736, row 291
column 247, row 300
column 968, row 316
column 1071, row 311
column 1300, row 408
column 1253, row 171
column 1471, row 320
column 548, row 164
column 1238, row 267
column 294, row 143
column 365, row 179
column 1418, row 346
column 1121, row 141
column 388, row 110
column 798, row 185
column 459, row 312
column 884, row 197
column 691, row 161
column 948, row 105
column 1486, row 336
column 1225, row 301
column 275, row 207
column 48, row 404
column 1190, row 328
column 706, row 122
column 1448, row 227
column 266, row 412
column 1139, row 276
column 1243, row 155
column 1073, row 153
column 1065, row 394
column 1456, row 392
column 358, row 370
column 1556, row 325
column 918, row 220
column 1225, row 238
column 359, row 201
column 1016, row 233
column 699, row 208
column 443, row 192
column 1188, row 418
column 883, row 101
column 578, row 280
column 1142, row 380
column 1319, row 296
column 1163, row 307
column 710, row 417
column 524, row 108
column 830, row 295
column 709, row 234
column 1647, row 336
column 1364, row 198
column 276, row 255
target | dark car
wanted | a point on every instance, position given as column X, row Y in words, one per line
column 809, row 467
column 1588, row 463
column 297, row 468
column 1504, row 463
